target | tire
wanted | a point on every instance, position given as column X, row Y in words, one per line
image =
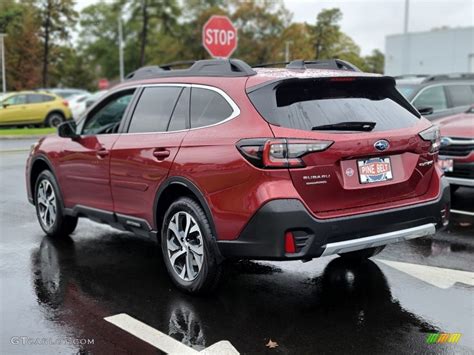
column 362, row 254
column 197, row 247
column 49, row 207
column 54, row 119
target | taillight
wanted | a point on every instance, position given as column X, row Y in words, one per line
column 279, row 153
column 432, row 135
column 65, row 103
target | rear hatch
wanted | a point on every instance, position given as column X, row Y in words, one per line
column 374, row 152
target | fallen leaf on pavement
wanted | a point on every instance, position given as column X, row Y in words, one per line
column 271, row 344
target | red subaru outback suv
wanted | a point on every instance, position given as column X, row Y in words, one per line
column 222, row 160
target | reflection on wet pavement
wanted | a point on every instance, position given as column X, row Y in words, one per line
column 347, row 306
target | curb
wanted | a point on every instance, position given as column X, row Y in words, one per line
column 19, row 137
column 14, row 150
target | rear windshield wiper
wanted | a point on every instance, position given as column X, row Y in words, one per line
column 346, row 126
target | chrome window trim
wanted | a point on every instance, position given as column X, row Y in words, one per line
column 233, row 105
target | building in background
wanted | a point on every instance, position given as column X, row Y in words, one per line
column 439, row 51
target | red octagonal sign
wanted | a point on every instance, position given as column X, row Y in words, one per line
column 219, row 37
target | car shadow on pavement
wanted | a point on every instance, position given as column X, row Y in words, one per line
column 348, row 306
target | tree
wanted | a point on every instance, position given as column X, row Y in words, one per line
column 70, row 69
column 57, row 17
column 159, row 15
column 375, row 62
column 261, row 25
column 22, row 46
column 299, row 36
column 326, row 32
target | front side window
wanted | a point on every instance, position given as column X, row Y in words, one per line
column 434, row 97
column 154, row 108
column 15, row 100
column 106, row 117
column 208, row 107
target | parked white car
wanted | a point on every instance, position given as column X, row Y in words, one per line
column 77, row 104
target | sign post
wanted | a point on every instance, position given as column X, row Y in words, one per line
column 219, row 37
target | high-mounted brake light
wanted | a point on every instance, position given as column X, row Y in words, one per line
column 432, row 135
column 279, row 153
column 342, row 78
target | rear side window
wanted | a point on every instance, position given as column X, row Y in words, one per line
column 434, row 97
column 154, row 108
column 208, row 107
column 180, row 115
column 460, row 95
column 307, row 103
column 39, row 98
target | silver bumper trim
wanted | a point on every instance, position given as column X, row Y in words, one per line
column 460, row 181
column 379, row 239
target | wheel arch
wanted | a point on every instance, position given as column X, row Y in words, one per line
column 55, row 110
column 38, row 164
column 173, row 188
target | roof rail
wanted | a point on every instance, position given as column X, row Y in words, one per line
column 207, row 67
column 144, row 72
column 453, row 76
column 410, row 76
column 271, row 64
column 179, row 63
column 333, row 64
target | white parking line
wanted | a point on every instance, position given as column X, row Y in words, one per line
column 439, row 277
column 467, row 213
column 163, row 341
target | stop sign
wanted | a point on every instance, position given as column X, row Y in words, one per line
column 219, row 37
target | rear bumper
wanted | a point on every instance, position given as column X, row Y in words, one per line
column 263, row 237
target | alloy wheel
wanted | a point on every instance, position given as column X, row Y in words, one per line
column 185, row 246
column 46, row 202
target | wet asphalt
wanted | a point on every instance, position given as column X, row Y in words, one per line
column 60, row 290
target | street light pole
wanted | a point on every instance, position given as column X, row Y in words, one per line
column 4, row 74
column 407, row 12
column 120, row 35
column 406, row 40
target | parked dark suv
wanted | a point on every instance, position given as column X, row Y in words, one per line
column 225, row 161
column 437, row 96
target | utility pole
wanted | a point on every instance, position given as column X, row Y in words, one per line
column 4, row 73
column 287, row 50
column 120, row 39
column 406, row 40
column 407, row 12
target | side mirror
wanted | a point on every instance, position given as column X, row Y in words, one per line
column 5, row 105
column 425, row 110
column 67, row 130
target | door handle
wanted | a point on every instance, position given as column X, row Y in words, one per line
column 102, row 153
column 161, row 154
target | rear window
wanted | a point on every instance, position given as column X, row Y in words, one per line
column 305, row 104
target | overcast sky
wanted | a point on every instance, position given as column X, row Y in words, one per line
column 369, row 21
